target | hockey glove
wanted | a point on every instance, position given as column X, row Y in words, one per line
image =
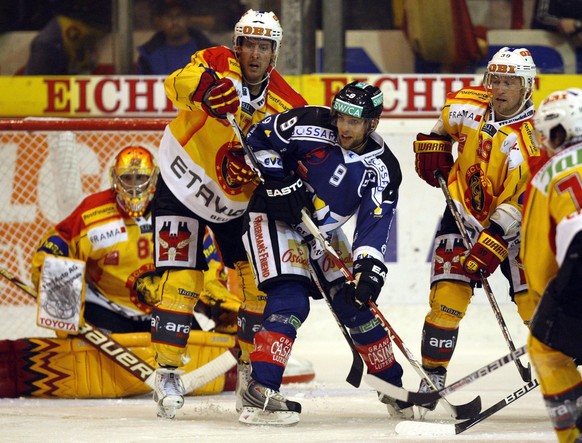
column 433, row 153
column 485, row 255
column 369, row 276
column 217, row 97
column 237, row 169
column 285, row 198
column 146, row 287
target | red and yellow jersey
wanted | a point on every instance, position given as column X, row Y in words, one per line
column 193, row 160
column 117, row 248
column 552, row 216
column 493, row 161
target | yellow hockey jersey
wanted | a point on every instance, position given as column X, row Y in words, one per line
column 117, row 249
column 193, row 151
column 492, row 165
column 552, row 217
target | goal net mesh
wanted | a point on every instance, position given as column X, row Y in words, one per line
column 47, row 166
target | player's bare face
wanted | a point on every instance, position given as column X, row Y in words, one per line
column 352, row 132
column 507, row 93
column 255, row 56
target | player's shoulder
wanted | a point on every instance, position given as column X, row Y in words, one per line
column 472, row 93
column 98, row 207
column 279, row 87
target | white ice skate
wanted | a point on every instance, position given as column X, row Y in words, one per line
column 169, row 392
column 264, row 406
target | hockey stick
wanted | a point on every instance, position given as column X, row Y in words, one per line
column 132, row 363
column 524, row 372
column 357, row 369
column 424, row 428
column 422, row 398
column 457, row 411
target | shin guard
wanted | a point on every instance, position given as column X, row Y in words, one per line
column 172, row 317
column 251, row 310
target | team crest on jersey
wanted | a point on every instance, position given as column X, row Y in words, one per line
column 130, row 283
column 175, row 242
column 476, row 196
column 108, row 234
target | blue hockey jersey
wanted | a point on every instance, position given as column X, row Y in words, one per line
column 344, row 184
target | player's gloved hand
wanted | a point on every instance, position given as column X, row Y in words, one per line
column 369, row 276
column 237, row 169
column 146, row 287
column 487, row 253
column 433, row 153
column 222, row 98
column 216, row 96
column 285, row 198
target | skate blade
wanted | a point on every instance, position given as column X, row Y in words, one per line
column 402, row 414
column 256, row 416
column 423, row 411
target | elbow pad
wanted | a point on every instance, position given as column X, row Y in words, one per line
column 508, row 218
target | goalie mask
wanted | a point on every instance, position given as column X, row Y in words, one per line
column 559, row 120
column 511, row 62
column 259, row 25
column 133, row 179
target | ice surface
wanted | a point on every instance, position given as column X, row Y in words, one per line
column 333, row 411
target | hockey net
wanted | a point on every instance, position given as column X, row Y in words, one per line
column 47, row 167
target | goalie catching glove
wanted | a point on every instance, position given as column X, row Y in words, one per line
column 369, row 276
column 486, row 254
column 285, row 198
column 217, row 96
column 433, row 153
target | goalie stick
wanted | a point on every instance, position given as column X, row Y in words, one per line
column 424, row 428
column 420, row 398
column 132, row 363
column 354, row 377
column 457, row 411
column 524, row 372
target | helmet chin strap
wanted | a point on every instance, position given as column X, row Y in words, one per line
column 265, row 77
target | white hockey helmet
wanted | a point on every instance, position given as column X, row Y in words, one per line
column 261, row 25
column 133, row 178
column 513, row 62
column 560, row 109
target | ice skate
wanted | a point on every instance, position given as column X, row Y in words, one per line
column 169, row 392
column 298, row 370
column 243, row 377
column 263, row 406
column 438, row 377
column 397, row 408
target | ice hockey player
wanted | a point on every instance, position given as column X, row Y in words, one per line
column 111, row 232
column 334, row 163
column 492, row 127
column 204, row 181
column 551, row 251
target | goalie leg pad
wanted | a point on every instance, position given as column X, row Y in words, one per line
column 70, row 368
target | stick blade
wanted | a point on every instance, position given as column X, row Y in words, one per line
column 423, row 428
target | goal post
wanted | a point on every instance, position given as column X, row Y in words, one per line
column 47, row 166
